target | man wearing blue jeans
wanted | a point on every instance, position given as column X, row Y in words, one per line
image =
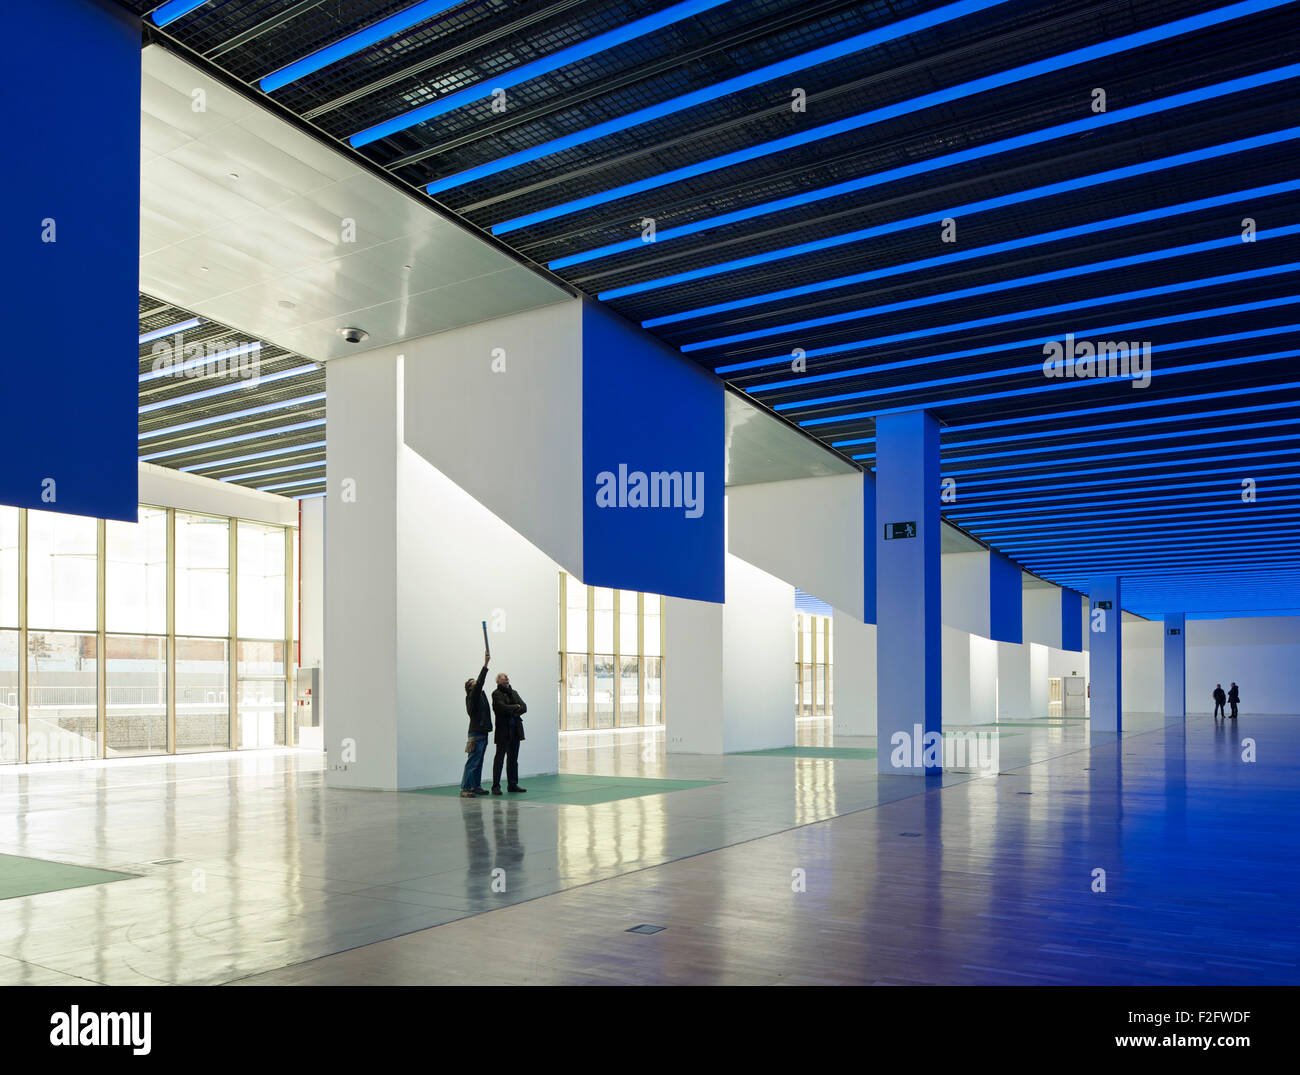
column 480, row 724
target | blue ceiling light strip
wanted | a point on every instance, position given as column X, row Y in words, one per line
column 1102, row 51
column 1015, row 198
column 581, row 51
column 170, row 330
column 989, row 501
column 1112, row 407
column 1221, row 412
column 1009, row 371
column 996, row 487
column 354, row 43
column 941, row 260
column 1058, row 434
column 1207, row 522
column 234, row 386
column 1015, row 393
column 1109, row 458
column 216, row 418
column 178, row 368
column 992, row 288
column 1189, row 543
column 796, row 64
column 1037, row 341
column 993, row 517
column 237, row 439
column 172, row 11
column 945, row 329
column 270, row 452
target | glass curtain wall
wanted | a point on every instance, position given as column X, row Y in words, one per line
column 611, row 667
column 814, row 684
column 122, row 639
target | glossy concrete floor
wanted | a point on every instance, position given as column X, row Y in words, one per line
column 989, row 879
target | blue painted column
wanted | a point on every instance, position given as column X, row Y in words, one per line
column 908, row 639
column 1175, row 665
column 1105, row 658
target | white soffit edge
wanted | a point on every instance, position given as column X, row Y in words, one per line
column 244, row 219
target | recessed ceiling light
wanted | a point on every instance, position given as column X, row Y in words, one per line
column 233, row 175
column 203, row 268
column 354, row 335
column 288, row 304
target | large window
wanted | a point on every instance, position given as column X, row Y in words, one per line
column 611, row 669
column 125, row 644
column 813, row 681
column 202, row 694
column 8, row 567
column 136, row 574
column 261, row 581
column 135, row 710
column 62, row 571
column 202, row 575
column 8, row 697
column 62, row 696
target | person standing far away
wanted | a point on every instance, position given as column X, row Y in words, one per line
column 1219, row 699
column 480, row 723
column 1234, row 696
column 509, row 709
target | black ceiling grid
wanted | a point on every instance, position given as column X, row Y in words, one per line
column 899, row 335
column 221, row 416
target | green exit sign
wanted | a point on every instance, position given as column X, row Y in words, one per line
column 900, row 530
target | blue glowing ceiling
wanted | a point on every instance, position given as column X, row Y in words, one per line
column 847, row 209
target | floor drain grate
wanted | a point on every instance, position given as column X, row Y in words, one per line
column 1024, row 792
column 646, row 929
column 164, row 862
column 909, row 834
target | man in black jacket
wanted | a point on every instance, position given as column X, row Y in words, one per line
column 1219, row 699
column 480, row 723
column 1234, row 697
column 509, row 709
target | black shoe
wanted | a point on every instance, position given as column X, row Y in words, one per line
column 480, row 791
column 516, row 788
column 496, row 789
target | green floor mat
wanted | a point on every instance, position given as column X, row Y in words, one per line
column 573, row 789
column 847, row 753
column 27, row 877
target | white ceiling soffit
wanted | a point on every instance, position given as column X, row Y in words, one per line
column 244, row 219
column 762, row 448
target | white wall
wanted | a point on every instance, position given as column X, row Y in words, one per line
column 965, row 591
column 1041, row 615
column 730, row 667
column 1143, row 662
column 693, row 676
column 854, row 674
column 956, row 676
column 1261, row 653
column 758, row 659
column 512, row 436
column 1039, row 693
column 311, row 568
column 983, row 680
column 413, row 565
column 1014, row 672
column 459, row 564
column 807, row 531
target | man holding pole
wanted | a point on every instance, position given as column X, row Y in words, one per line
column 480, row 723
